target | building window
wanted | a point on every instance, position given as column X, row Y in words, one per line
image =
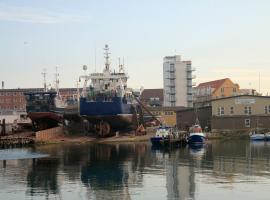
column 232, row 110
column 265, row 110
column 234, row 90
column 247, row 110
column 247, row 123
column 222, row 90
column 268, row 109
column 168, row 113
column 220, row 111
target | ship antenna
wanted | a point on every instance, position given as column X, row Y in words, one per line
column 106, row 56
column 121, row 67
column 95, row 59
column 44, row 79
column 57, row 81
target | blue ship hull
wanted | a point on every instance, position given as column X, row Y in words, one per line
column 196, row 139
column 104, row 108
column 158, row 141
column 116, row 112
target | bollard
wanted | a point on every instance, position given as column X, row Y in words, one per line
column 117, row 134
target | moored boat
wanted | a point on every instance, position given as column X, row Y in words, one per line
column 267, row 136
column 258, row 135
column 196, row 136
column 161, row 136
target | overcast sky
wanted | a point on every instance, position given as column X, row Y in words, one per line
column 222, row 38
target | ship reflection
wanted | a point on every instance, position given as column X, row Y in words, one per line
column 197, row 151
column 120, row 171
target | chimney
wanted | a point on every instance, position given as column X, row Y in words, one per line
column 3, row 85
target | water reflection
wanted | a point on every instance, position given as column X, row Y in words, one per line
column 135, row 171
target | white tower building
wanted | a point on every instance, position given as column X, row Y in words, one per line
column 177, row 82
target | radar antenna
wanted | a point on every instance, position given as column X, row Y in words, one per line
column 106, row 56
column 57, row 82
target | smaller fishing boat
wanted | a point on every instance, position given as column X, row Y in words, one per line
column 196, row 136
column 257, row 135
column 267, row 136
column 161, row 136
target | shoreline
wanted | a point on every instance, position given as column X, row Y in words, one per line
column 58, row 136
column 91, row 139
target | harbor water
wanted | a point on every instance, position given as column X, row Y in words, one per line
column 217, row 170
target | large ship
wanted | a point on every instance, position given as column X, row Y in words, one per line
column 107, row 103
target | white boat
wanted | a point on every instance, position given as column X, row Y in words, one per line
column 196, row 136
column 162, row 133
column 256, row 135
column 267, row 136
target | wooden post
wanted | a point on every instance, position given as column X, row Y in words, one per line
column 4, row 127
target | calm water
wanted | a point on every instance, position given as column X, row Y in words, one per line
column 219, row 170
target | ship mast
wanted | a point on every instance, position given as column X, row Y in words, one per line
column 106, row 56
column 44, row 79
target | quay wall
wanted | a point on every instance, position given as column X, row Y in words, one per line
column 48, row 134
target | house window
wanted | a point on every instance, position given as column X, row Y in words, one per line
column 232, row 110
column 247, row 110
column 220, row 111
column 222, row 90
column 265, row 110
column 247, row 123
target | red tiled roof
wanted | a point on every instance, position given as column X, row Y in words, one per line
column 213, row 84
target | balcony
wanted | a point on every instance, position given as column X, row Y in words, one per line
column 190, row 98
column 190, row 69
column 191, row 84
column 170, row 71
column 171, row 92
column 171, row 77
column 190, row 77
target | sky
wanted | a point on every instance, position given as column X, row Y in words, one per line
column 222, row 38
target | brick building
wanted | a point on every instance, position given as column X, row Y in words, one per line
column 14, row 100
column 152, row 97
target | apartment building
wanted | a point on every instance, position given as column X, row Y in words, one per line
column 177, row 82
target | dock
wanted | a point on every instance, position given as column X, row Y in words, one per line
column 15, row 141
